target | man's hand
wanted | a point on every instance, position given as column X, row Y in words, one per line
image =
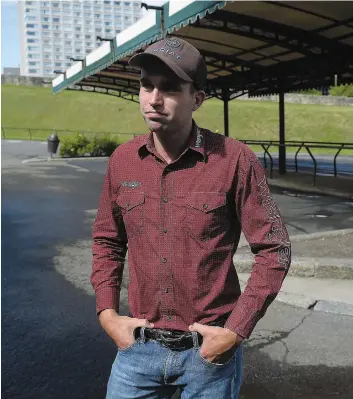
column 218, row 344
column 121, row 328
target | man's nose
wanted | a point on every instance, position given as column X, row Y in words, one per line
column 156, row 97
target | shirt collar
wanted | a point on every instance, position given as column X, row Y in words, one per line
column 197, row 142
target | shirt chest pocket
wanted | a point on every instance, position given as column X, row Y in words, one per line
column 206, row 215
column 132, row 209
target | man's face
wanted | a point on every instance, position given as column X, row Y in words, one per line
column 166, row 102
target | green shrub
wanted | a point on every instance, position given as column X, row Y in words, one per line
column 80, row 145
column 343, row 90
column 75, row 146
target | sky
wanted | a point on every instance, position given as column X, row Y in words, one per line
column 10, row 40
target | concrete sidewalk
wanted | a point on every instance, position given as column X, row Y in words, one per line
column 327, row 295
column 340, row 186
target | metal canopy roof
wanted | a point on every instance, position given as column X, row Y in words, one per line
column 260, row 47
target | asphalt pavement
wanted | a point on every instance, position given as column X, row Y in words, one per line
column 52, row 345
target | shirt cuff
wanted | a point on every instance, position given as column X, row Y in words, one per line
column 107, row 298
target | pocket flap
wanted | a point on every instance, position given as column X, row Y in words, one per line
column 130, row 200
column 206, row 202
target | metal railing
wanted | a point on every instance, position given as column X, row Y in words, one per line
column 26, row 133
column 308, row 145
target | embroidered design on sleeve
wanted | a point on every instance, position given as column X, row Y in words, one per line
column 278, row 231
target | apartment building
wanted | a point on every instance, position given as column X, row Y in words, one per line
column 53, row 32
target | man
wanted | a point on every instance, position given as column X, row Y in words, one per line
column 179, row 197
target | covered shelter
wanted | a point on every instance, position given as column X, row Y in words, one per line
column 256, row 48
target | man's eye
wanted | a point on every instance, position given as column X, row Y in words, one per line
column 169, row 88
column 147, row 86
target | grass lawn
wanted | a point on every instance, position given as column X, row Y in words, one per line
column 36, row 108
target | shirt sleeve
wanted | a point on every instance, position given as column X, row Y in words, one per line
column 266, row 233
column 109, row 248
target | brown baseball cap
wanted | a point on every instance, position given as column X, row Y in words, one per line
column 180, row 56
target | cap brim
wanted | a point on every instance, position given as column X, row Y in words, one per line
column 139, row 60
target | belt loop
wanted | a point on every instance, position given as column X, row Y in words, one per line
column 142, row 335
column 195, row 339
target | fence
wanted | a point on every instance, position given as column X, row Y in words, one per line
column 25, row 133
column 308, row 146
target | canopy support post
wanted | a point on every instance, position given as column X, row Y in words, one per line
column 282, row 138
column 225, row 98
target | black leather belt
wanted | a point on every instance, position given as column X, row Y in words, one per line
column 175, row 339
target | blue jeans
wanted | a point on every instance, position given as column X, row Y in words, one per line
column 147, row 369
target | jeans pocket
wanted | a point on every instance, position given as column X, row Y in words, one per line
column 128, row 348
column 216, row 365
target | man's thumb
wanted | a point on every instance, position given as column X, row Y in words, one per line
column 197, row 327
column 144, row 323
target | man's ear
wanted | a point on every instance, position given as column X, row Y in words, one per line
column 198, row 99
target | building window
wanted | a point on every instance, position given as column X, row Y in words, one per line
column 33, row 56
column 97, row 15
column 55, row 4
column 106, row 2
column 45, row 19
column 47, row 56
column 56, row 34
column 48, row 72
column 58, row 49
column 29, row 3
column 33, row 63
column 33, row 70
column 66, row 5
column 57, row 20
column 47, row 48
column 56, row 12
column 117, row 30
column 78, row 29
column 127, row 18
column 68, row 42
column 46, row 34
column 46, row 41
column 126, row 3
column 31, row 18
column 68, row 64
column 117, row 3
column 78, row 36
column 107, row 16
column 107, row 23
column 32, row 40
column 47, row 64
column 109, row 31
column 88, row 36
column 31, row 33
column 45, row 3
column 45, row 26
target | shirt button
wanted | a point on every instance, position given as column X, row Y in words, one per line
column 205, row 206
column 127, row 204
column 165, row 199
column 165, row 230
column 166, row 290
column 164, row 260
column 169, row 318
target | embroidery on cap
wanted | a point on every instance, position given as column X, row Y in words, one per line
column 172, row 42
column 130, row 184
column 198, row 143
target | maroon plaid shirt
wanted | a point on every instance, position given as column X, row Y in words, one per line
column 182, row 222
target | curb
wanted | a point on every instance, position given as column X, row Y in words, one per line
column 301, row 301
column 307, row 267
column 309, row 190
column 311, row 236
column 48, row 159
